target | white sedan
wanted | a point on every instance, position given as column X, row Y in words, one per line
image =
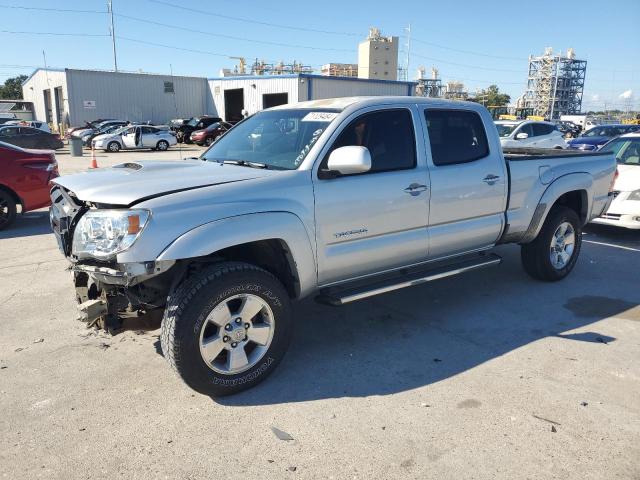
column 625, row 208
column 138, row 136
column 529, row 134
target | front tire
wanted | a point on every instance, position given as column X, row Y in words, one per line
column 554, row 252
column 162, row 145
column 226, row 328
column 7, row 209
column 113, row 147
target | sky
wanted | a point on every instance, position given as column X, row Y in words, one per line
column 476, row 42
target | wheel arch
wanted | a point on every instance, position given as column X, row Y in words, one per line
column 275, row 241
column 574, row 191
column 13, row 194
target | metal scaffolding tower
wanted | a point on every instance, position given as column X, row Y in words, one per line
column 555, row 84
column 429, row 87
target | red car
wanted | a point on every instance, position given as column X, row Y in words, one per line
column 24, row 180
column 206, row 136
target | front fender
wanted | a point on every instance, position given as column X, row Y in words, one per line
column 228, row 232
column 567, row 183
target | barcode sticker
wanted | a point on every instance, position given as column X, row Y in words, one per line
column 319, row 116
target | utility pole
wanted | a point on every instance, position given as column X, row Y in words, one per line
column 406, row 64
column 113, row 34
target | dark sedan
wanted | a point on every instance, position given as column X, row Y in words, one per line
column 27, row 137
column 595, row 137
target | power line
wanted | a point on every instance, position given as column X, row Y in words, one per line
column 255, row 22
column 479, row 67
column 231, row 37
column 467, row 51
column 62, row 34
column 44, row 9
column 172, row 47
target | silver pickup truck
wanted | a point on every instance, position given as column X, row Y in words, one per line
column 340, row 198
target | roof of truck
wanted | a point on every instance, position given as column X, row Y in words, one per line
column 344, row 102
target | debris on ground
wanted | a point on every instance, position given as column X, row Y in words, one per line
column 424, row 404
column 437, row 360
column 546, row 420
column 553, row 429
column 19, row 349
column 104, row 346
column 584, row 404
column 292, row 469
column 38, row 340
column 281, row 435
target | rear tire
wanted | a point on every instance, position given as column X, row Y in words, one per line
column 7, row 209
column 195, row 326
column 554, row 252
column 113, row 147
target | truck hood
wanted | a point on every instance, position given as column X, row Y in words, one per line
column 130, row 183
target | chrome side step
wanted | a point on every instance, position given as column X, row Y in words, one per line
column 337, row 296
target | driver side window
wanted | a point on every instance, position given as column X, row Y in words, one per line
column 387, row 134
column 526, row 129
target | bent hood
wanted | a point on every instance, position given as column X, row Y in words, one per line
column 133, row 182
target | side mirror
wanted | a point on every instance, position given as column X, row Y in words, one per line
column 522, row 136
column 349, row 160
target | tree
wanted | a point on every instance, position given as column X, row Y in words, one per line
column 492, row 97
column 12, row 88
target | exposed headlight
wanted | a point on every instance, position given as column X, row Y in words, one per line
column 635, row 195
column 104, row 233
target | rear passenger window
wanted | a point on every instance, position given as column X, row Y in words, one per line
column 387, row 134
column 542, row 129
column 456, row 136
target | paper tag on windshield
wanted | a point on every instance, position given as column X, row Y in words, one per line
column 319, row 116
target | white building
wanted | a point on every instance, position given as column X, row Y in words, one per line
column 72, row 97
column 378, row 57
column 231, row 95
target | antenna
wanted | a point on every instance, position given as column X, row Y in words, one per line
column 113, row 34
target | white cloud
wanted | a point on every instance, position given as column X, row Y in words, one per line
column 626, row 94
column 595, row 97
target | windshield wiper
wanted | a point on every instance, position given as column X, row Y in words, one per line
column 244, row 163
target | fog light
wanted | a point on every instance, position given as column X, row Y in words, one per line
column 636, row 219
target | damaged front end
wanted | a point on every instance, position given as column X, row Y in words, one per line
column 108, row 293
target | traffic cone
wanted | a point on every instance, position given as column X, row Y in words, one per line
column 94, row 162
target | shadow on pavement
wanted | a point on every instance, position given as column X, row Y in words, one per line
column 426, row 334
column 28, row 224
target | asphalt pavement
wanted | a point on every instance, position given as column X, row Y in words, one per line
column 488, row 375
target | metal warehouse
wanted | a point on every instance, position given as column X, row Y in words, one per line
column 71, row 97
column 232, row 95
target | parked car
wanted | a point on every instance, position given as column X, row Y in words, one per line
column 87, row 125
column 24, row 180
column 87, row 139
column 344, row 198
column 98, row 126
column 625, row 208
column 596, row 137
column 44, row 126
column 184, row 131
column 28, row 137
column 568, row 129
column 207, row 135
column 138, row 136
column 529, row 133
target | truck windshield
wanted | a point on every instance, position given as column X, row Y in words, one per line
column 278, row 139
column 504, row 130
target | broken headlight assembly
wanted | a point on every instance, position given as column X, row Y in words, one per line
column 102, row 234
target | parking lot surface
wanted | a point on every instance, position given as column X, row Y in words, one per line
column 486, row 375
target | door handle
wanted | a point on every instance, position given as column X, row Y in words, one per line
column 491, row 179
column 415, row 189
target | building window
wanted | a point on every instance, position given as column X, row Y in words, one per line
column 168, row 87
